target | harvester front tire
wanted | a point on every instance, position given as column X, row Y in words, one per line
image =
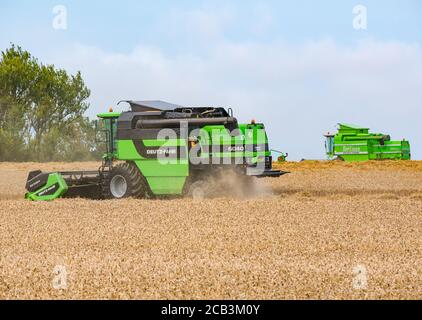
column 125, row 181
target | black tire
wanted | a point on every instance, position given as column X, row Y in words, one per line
column 125, row 181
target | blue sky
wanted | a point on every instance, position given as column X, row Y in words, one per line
column 299, row 66
column 121, row 25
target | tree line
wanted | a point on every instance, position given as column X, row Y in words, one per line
column 42, row 111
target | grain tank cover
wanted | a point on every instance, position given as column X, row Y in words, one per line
column 151, row 105
column 346, row 128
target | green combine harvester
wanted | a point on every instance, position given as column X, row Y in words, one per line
column 354, row 143
column 162, row 149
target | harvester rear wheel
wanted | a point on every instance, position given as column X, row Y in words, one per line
column 198, row 190
column 124, row 181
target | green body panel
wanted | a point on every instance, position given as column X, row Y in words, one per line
column 166, row 185
column 55, row 182
column 126, row 150
column 164, row 178
column 354, row 143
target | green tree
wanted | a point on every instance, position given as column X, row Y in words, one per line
column 42, row 111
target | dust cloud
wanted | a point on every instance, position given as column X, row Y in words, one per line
column 228, row 183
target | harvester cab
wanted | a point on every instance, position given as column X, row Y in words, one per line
column 106, row 128
column 161, row 149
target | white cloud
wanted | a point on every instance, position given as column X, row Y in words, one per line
column 196, row 27
column 298, row 91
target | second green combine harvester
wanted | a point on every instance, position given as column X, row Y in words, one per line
column 354, row 143
column 162, row 149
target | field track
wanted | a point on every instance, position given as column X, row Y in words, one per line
column 327, row 230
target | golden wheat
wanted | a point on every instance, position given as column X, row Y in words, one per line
column 315, row 234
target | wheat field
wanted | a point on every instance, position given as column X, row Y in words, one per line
column 327, row 230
